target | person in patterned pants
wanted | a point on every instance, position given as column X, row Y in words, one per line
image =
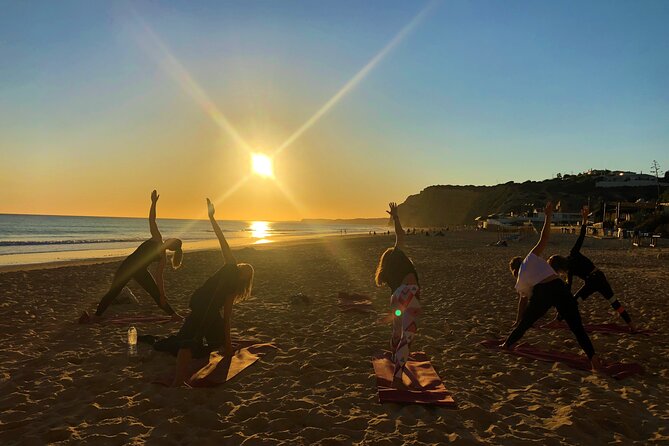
column 405, row 304
column 397, row 271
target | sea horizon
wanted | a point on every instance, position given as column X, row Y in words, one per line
column 31, row 239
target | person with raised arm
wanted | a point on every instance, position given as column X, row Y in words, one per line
column 136, row 265
column 540, row 288
column 397, row 271
column 230, row 284
column 576, row 264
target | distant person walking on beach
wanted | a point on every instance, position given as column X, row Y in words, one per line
column 576, row 264
column 135, row 266
column 231, row 283
column 397, row 271
column 540, row 288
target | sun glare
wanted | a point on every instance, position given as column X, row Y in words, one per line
column 262, row 165
column 260, row 231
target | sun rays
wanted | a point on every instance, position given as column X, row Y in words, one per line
column 261, row 164
column 159, row 52
column 358, row 77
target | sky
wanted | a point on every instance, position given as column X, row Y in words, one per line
column 359, row 103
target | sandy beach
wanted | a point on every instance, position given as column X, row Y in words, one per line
column 61, row 382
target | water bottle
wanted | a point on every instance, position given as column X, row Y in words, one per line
column 132, row 342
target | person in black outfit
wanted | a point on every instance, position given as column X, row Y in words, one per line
column 136, row 265
column 576, row 264
column 540, row 288
column 230, row 284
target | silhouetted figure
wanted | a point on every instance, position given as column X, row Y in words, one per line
column 576, row 264
column 230, row 284
column 135, row 266
column 397, row 271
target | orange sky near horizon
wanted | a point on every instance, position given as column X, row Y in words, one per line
column 309, row 182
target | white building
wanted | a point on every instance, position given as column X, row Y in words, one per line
column 629, row 179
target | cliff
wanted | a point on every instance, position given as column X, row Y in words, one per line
column 438, row 206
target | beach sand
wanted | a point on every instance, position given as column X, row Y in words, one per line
column 64, row 382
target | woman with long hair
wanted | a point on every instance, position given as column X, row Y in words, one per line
column 397, row 271
column 230, row 284
column 136, row 265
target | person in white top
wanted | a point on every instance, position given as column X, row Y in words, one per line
column 539, row 289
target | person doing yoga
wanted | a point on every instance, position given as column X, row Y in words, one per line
column 397, row 271
column 230, row 284
column 540, row 288
column 576, row 264
column 135, row 266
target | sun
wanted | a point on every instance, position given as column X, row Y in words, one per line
column 262, row 165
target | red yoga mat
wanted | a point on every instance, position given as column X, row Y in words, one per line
column 617, row 370
column 218, row 369
column 600, row 328
column 423, row 382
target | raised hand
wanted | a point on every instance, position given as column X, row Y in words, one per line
column 548, row 210
column 210, row 208
column 585, row 212
column 154, row 196
column 393, row 209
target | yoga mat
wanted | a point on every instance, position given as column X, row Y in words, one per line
column 617, row 370
column 354, row 302
column 218, row 369
column 423, row 382
column 127, row 320
column 600, row 328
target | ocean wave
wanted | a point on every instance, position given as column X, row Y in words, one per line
column 66, row 242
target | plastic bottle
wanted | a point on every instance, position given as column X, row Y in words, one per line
column 132, row 341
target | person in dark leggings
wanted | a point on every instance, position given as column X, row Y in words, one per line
column 540, row 288
column 136, row 265
column 576, row 264
column 228, row 285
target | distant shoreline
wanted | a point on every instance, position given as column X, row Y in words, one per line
column 108, row 256
column 348, row 221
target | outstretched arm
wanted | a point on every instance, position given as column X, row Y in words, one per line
column 155, row 233
column 522, row 305
column 570, row 279
column 225, row 248
column 399, row 232
column 581, row 237
column 545, row 231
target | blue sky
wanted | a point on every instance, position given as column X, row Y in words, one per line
column 476, row 93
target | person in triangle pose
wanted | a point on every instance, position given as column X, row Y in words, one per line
column 576, row 264
column 540, row 288
column 397, row 271
column 136, row 265
column 230, row 284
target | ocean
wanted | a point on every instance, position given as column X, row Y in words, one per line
column 30, row 239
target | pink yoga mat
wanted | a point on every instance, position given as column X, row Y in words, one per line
column 218, row 369
column 600, row 328
column 617, row 370
column 423, row 382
